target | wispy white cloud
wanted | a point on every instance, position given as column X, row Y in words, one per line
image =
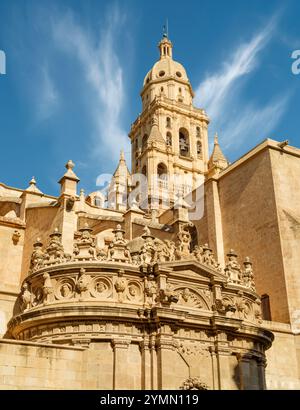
column 47, row 96
column 103, row 74
column 220, row 94
column 254, row 123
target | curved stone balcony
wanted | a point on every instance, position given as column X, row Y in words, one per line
column 132, row 289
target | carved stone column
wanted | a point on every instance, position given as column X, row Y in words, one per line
column 226, row 379
column 214, row 362
column 261, row 369
column 146, row 364
column 153, row 354
column 165, row 359
column 120, row 376
column 244, row 371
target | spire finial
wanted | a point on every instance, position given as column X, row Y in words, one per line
column 70, row 164
column 32, row 181
column 216, row 140
column 122, row 156
column 166, row 30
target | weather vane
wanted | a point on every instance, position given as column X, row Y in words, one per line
column 166, row 29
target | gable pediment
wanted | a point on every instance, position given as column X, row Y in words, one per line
column 192, row 269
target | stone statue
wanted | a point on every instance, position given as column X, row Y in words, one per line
column 148, row 251
column 150, row 290
column 120, row 285
column 161, row 251
column 48, row 291
column 83, row 282
column 247, row 275
column 26, row 297
column 55, row 250
column 38, row 256
column 233, row 269
column 84, row 247
column 184, row 241
column 118, row 250
column 171, row 248
column 198, row 253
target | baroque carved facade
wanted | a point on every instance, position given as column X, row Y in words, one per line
column 145, row 297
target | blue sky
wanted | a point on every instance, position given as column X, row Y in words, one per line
column 74, row 70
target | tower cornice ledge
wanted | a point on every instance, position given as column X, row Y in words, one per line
column 170, row 105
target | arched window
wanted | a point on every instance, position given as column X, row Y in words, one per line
column 144, row 141
column 162, row 174
column 169, row 139
column 144, row 170
column 184, row 142
column 199, row 148
column 168, row 122
column 162, row 171
column 198, row 133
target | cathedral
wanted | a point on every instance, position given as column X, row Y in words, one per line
column 184, row 275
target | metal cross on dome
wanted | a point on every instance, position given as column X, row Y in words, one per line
column 166, row 30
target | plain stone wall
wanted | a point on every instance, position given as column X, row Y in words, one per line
column 286, row 174
column 40, row 222
column 7, row 303
column 283, row 359
column 11, row 258
column 250, row 227
column 29, row 365
column 10, row 272
column 26, row 365
column 98, row 366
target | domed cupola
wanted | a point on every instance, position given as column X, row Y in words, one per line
column 167, row 78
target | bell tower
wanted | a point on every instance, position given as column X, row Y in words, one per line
column 169, row 141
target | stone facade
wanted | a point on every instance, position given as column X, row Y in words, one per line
column 126, row 296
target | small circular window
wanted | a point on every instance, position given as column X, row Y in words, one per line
column 161, row 73
column 178, row 73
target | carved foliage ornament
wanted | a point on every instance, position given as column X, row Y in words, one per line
column 193, row 383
